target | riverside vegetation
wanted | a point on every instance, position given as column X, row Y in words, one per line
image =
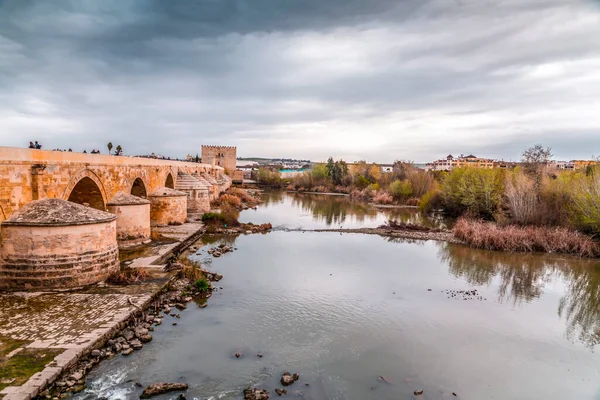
column 531, row 207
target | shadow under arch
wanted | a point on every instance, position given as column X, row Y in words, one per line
column 169, row 182
column 87, row 189
column 139, row 188
column 2, row 215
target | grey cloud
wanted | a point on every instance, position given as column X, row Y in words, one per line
column 420, row 77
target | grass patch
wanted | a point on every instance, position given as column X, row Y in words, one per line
column 202, row 285
column 19, row 368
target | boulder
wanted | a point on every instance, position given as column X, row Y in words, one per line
column 287, row 379
column 256, row 394
column 162, row 387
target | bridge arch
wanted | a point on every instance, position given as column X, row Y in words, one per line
column 139, row 188
column 169, row 181
column 86, row 188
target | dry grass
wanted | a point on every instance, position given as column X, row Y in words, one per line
column 128, row 276
column 230, row 200
column 244, row 196
column 490, row 236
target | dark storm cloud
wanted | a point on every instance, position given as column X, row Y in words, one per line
column 371, row 79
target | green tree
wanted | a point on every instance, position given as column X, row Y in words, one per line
column 401, row 190
column 110, row 147
column 476, row 191
column 119, row 149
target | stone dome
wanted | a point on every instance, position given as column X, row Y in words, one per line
column 167, row 192
column 124, row 199
column 57, row 212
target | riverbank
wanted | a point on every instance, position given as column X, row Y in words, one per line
column 60, row 335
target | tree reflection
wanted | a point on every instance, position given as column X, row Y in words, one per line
column 335, row 210
column 522, row 278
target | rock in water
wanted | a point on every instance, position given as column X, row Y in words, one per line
column 162, row 387
column 256, row 394
column 287, row 379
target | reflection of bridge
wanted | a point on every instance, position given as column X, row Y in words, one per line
column 27, row 175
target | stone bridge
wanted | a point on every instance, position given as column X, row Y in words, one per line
column 27, row 175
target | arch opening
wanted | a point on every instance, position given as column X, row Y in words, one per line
column 138, row 188
column 169, row 182
column 86, row 192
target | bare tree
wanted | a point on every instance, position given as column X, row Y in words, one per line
column 536, row 155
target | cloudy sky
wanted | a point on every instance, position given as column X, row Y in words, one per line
column 359, row 79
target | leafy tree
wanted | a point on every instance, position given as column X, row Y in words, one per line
column 476, row 191
column 110, row 147
column 119, row 149
column 336, row 171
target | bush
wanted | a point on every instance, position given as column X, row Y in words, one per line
column 374, row 186
column 230, row 200
column 431, row 201
column 361, row 195
column 490, row 236
column 212, row 217
column 383, row 198
column 401, row 190
column 361, row 182
column 269, row 177
column 585, row 207
column 522, row 198
column 475, row 191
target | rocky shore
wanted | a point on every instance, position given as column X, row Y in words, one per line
column 134, row 334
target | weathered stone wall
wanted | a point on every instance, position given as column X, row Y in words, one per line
column 171, row 210
column 221, row 156
column 27, row 174
column 198, row 201
column 133, row 223
column 38, row 257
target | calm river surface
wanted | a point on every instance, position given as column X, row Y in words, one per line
column 343, row 310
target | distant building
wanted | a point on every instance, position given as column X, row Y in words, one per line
column 451, row 162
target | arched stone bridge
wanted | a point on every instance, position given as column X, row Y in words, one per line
column 27, row 175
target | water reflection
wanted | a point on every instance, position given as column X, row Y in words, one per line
column 307, row 211
column 523, row 277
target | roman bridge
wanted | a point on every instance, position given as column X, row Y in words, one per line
column 91, row 179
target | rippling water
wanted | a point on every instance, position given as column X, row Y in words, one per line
column 343, row 310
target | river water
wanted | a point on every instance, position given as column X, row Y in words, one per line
column 345, row 310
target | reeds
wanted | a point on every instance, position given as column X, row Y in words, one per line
column 490, row 236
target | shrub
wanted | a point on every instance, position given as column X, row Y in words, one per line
column 230, row 200
column 431, row 201
column 475, row 191
column 585, row 207
column 401, row 190
column 383, row 198
column 361, row 182
column 212, row 217
column 490, row 236
column 202, row 285
column 522, row 198
column 269, row 177
column 360, row 195
column 374, row 186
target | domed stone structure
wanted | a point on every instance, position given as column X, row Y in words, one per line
column 198, row 192
column 55, row 243
column 167, row 207
column 133, row 219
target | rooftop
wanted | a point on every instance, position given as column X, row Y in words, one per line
column 56, row 212
column 124, row 199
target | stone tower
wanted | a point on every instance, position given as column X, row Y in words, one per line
column 222, row 156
